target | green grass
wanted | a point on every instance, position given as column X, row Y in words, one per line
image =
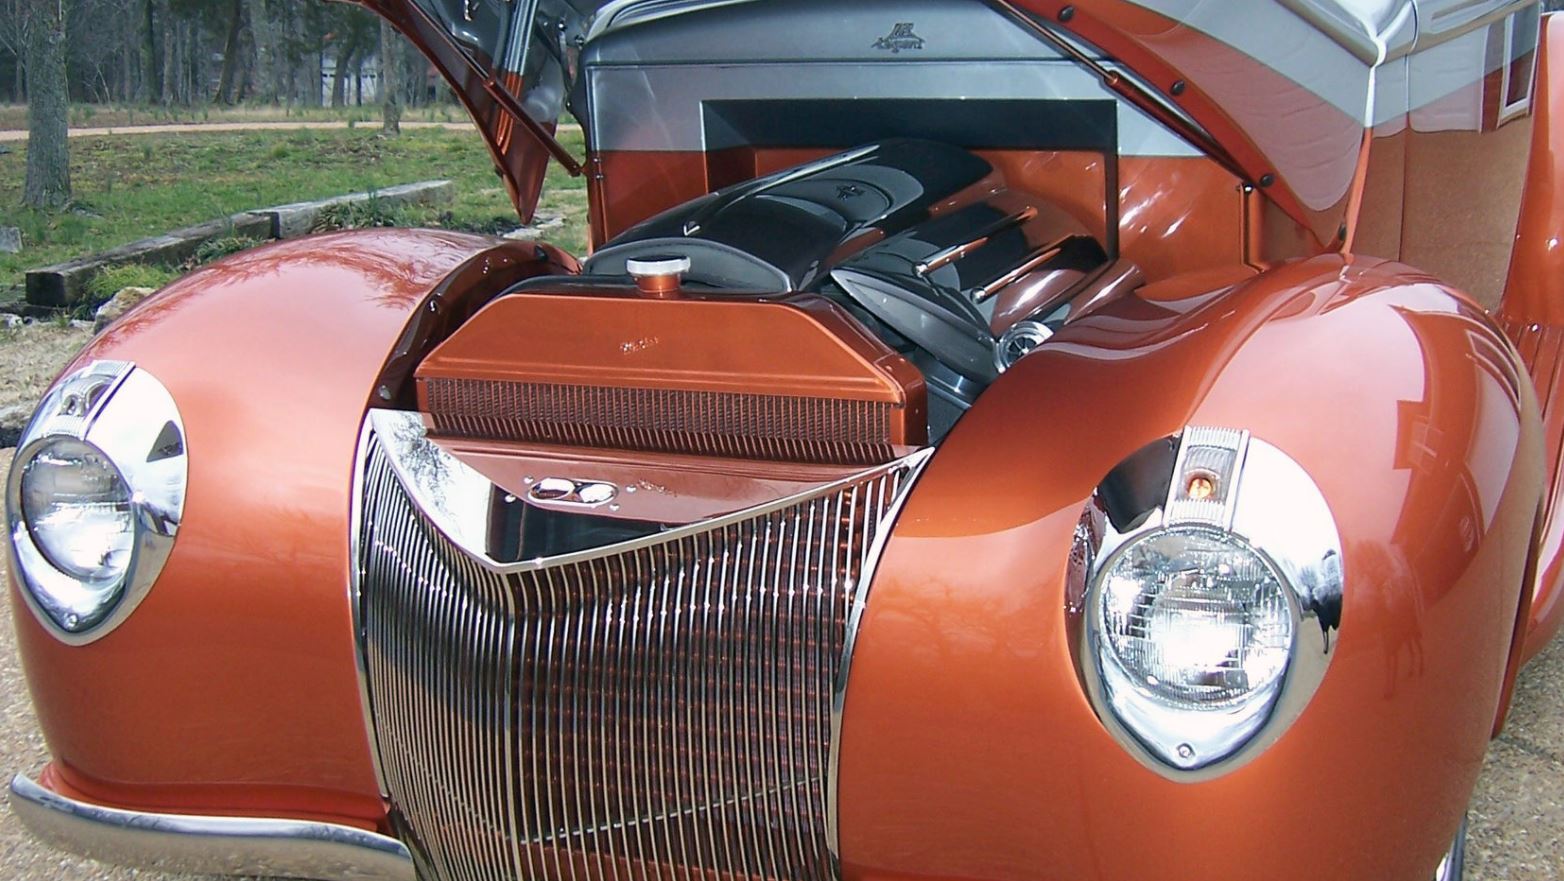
column 132, row 275
column 127, row 188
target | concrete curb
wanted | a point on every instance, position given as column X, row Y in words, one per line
column 65, row 284
column 298, row 219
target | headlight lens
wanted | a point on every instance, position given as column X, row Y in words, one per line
column 78, row 509
column 1195, row 619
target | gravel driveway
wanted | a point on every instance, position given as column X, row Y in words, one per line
column 1517, row 814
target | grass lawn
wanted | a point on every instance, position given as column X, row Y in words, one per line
column 127, row 188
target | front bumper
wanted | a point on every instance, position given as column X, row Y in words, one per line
column 209, row 845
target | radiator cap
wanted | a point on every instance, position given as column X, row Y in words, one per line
column 658, row 276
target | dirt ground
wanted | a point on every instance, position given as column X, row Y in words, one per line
column 31, row 356
column 1517, row 812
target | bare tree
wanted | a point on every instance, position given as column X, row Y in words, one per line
column 232, row 46
column 150, row 90
column 190, row 52
column 268, row 65
column 11, row 43
column 48, row 143
column 390, row 80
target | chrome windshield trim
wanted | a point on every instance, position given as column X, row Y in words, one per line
column 456, row 498
column 209, row 845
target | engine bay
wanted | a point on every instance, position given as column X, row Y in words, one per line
column 841, row 312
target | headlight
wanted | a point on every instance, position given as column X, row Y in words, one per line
column 1206, row 587
column 78, row 509
column 1195, row 618
column 95, row 497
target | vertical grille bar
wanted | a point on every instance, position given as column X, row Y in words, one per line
column 658, row 711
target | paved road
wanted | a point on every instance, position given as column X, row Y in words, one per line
column 187, row 128
column 1517, row 814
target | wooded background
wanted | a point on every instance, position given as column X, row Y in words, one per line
column 189, row 52
column 192, row 52
column 185, row 53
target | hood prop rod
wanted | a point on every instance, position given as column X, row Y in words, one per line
column 502, row 96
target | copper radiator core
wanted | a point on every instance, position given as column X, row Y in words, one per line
column 788, row 379
column 661, row 420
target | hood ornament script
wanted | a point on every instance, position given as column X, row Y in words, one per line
column 900, row 38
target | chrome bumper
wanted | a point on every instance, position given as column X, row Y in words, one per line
column 209, row 845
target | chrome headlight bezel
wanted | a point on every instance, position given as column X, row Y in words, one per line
column 1254, row 498
column 128, row 417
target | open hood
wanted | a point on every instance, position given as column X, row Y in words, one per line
column 1280, row 91
column 509, row 62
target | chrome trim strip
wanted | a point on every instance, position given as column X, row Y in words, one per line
column 1452, row 867
column 871, row 565
column 208, row 845
column 355, row 596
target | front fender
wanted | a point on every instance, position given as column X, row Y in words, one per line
column 232, row 688
column 969, row 749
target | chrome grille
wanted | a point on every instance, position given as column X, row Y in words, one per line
column 660, row 709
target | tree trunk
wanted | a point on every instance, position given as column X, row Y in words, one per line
column 48, row 143
column 286, row 58
column 193, row 64
column 390, row 81
column 339, row 76
column 150, row 90
column 168, row 49
column 299, row 85
column 128, row 54
column 263, row 32
column 18, row 12
column 231, row 47
column 246, row 84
